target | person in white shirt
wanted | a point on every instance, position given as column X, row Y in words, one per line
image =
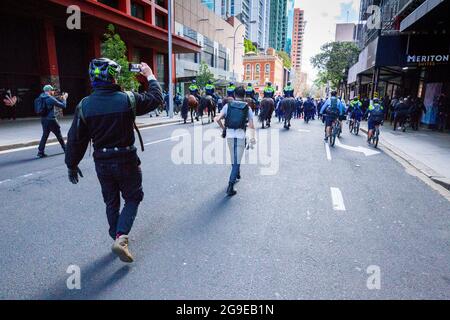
column 236, row 114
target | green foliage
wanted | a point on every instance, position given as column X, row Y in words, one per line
column 333, row 62
column 115, row 49
column 204, row 75
column 286, row 59
column 249, row 46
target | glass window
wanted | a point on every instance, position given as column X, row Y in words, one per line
column 111, row 3
column 249, row 68
column 137, row 10
column 160, row 20
column 267, row 68
column 258, row 68
column 160, row 76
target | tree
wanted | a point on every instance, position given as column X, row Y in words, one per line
column 204, row 75
column 115, row 49
column 249, row 46
column 286, row 59
column 334, row 60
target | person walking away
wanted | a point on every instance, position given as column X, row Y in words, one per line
column 236, row 114
column 416, row 111
column 44, row 106
column 107, row 117
column 375, row 115
column 401, row 114
column 289, row 91
column 195, row 90
column 443, row 112
column 231, row 90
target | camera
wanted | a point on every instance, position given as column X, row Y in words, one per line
column 135, row 67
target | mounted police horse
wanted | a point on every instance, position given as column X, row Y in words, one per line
column 207, row 105
column 287, row 106
column 190, row 103
column 267, row 108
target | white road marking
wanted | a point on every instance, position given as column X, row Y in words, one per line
column 4, row 181
column 303, row 130
column 338, row 200
column 367, row 152
column 160, row 126
column 167, row 139
column 26, row 175
column 327, row 149
column 57, row 143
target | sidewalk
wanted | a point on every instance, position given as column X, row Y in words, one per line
column 426, row 150
column 27, row 132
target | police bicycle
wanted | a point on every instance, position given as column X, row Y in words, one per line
column 375, row 137
column 354, row 126
column 336, row 131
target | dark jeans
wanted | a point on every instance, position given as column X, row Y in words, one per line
column 442, row 121
column 116, row 179
column 47, row 127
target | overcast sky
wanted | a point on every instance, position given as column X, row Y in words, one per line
column 321, row 17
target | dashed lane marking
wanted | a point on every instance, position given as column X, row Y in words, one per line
column 338, row 200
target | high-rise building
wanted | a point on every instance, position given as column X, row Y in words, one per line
column 297, row 50
column 290, row 25
column 278, row 24
column 297, row 38
column 247, row 11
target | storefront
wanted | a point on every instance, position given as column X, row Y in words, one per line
column 38, row 48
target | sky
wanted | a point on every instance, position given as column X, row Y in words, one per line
column 321, row 17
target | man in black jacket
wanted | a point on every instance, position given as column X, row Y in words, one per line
column 107, row 118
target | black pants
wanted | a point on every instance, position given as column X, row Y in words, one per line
column 116, row 179
column 47, row 127
column 399, row 119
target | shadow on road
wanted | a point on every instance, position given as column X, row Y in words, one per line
column 94, row 281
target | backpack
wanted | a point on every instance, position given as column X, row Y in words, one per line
column 333, row 109
column 377, row 113
column 237, row 115
column 40, row 107
column 132, row 102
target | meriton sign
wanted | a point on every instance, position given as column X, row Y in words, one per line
column 428, row 59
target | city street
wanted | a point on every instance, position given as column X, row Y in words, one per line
column 313, row 230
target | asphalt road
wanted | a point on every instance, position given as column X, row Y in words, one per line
column 279, row 238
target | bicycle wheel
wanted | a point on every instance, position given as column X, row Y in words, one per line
column 351, row 126
column 356, row 129
column 376, row 138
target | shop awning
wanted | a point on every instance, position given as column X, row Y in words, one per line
column 429, row 13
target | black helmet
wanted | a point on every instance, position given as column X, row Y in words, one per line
column 333, row 93
column 231, row 83
column 269, row 83
column 210, row 82
column 249, row 84
column 104, row 69
column 289, row 83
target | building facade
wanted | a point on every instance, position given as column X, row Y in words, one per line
column 38, row 47
column 278, row 24
column 257, row 11
column 262, row 68
column 407, row 55
column 345, row 32
column 297, row 49
column 220, row 51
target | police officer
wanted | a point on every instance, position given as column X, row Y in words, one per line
column 250, row 92
column 269, row 91
column 107, row 118
column 195, row 90
column 289, row 91
column 230, row 90
column 375, row 115
column 210, row 89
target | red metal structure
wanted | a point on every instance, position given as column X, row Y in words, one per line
column 38, row 48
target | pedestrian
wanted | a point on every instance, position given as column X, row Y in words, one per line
column 443, row 112
column 416, row 111
column 236, row 114
column 45, row 106
column 10, row 102
column 107, row 117
column 401, row 114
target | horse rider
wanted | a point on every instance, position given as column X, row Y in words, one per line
column 195, row 90
column 230, row 90
column 269, row 91
column 250, row 93
column 210, row 90
column 289, row 90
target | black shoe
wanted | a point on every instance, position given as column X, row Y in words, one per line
column 41, row 155
column 238, row 176
column 230, row 191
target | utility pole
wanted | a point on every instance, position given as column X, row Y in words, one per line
column 170, row 31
